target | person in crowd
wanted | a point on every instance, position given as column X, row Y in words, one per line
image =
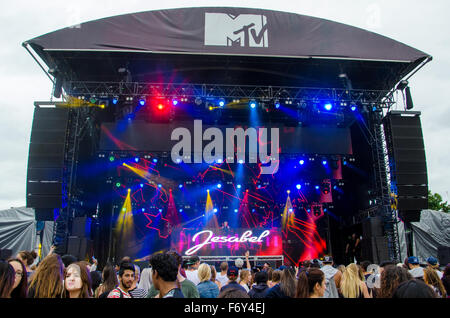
column 232, row 274
column 146, row 279
column 266, row 267
column 96, row 280
column 165, row 270
column 27, row 259
column 135, row 291
column 206, row 288
column 110, row 281
column 353, row 249
column 188, row 288
column 311, row 284
column 47, row 280
column 7, row 279
column 233, row 293
column 446, row 280
column 287, row 286
column 269, row 277
column 125, row 259
column 332, row 278
column 365, row 265
column 77, row 281
column 68, row 259
column 192, row 270
column 20, row 287
column 351, row 285
column 244, row 279
column 383, row 265
column 214, row 277
column 126, row 279
column 414, row 267
column 261, row 288
column 391, row 277
column 276, row 277
column 433, row 263
column 341, row 268
column 414, row 288
column 431, row 278
column 222, row 276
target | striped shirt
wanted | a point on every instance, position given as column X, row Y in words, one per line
column 118, row 293
column 138, row 293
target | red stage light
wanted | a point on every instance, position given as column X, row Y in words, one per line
column 160, row 106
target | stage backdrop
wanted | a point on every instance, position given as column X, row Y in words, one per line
column 232, row 242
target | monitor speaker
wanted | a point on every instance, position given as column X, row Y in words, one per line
column 444, row 255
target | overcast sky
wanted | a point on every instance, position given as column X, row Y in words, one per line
column 420, row 24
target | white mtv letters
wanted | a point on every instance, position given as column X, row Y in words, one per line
column 247, row 30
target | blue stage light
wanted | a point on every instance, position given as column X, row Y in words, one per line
column 298, row 186
column 290, row 210
column 219, row 160
column 301, row 162
column 344, row 162
column 277, row 104
column 219, row 186
column 160, row 210
column 235, row 210
column 155, row 160
column 180, row 186
column 159, row 185
column 174, row 102
column 328, row 106
column 142, row 185
column 215, row 210
column 309, row 210
column 252, row 103
column 115, row 100
column 324, row 162
column 180, row 210
column 142, row 102
column 238, row 186
column 241, row 161
column 143, row 209
column 136, row 159
column 353, row 108
column 221, row 102
column 259, row 186
column 317, row 187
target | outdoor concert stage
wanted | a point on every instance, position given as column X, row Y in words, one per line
column 140, row 156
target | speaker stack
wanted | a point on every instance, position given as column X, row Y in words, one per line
column 374, row 245
column 79, row 244
column 46, row 161
column 406, row 150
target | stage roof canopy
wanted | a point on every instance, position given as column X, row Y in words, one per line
column 227, row 45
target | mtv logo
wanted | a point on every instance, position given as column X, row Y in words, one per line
column 247, row 30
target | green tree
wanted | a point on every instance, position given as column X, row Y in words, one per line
column 435, row 202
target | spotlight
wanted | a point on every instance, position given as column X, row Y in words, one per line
column 277, row 104
column 160, row 185
column 235, row 210
column 221, row 102
column 178, row 160
column 143, row 209
column 215, row 210
column 328, row 106
column 111, row 158
column 115, row 100
column 160, row 106
column 160, row 210
column 353, row 107
column 238, row 186
column 174, row 102
column 155, row 160
column 301, row 162
column 324, row 162
column 298, row 186
column 252, row 103
column 118, row 184
column 180, row 186
column 180, row 210
column 136, row 159
column 317, row 187
column 141, row 185
column 142, row 101
column 241, row 161
column 219, row 160
column 326, row 188
column 219, row 186
column 290, row 210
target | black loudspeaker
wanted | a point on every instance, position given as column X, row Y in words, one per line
column 44, row 215
column 406, row 150
column 372, row 226
column 375, row 249
column 81, row 226
column 444, row 255
column 409, row 101
column 80, row 247
column 46, row 158
column 5, row 254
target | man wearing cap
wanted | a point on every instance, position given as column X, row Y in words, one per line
column 232, row 274
column 332, row 278
column 433, row 263
column 192, row 271
column 414, row 267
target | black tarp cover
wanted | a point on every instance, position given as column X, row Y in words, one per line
column 227, row 31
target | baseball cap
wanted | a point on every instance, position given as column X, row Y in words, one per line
column 432, row 260
column 413, row 260
column 232, row 271
column 327, row 259
column 192, row 260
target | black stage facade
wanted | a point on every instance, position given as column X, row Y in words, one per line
column 312, row 100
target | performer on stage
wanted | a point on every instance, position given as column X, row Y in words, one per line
column 353, row 249
column 225, row 228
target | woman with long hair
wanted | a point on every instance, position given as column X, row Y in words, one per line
column 77, row 282
column 287, row 286
column 27, row 259
column 244, row 279
column 431, row 278
column 213, row 276
column 391, row 277
column 351, row 284
column 109, row 281
column 311, row 284
column 47, row 280
column 20, row 288
column 7, row 276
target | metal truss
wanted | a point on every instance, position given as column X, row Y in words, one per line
column 381, row 98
